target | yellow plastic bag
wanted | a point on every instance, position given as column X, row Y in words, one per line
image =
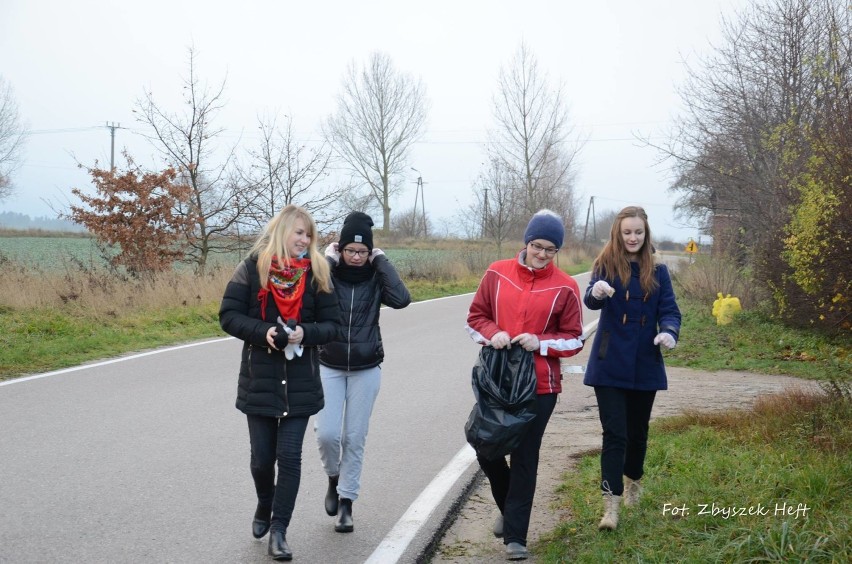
column 725, row 308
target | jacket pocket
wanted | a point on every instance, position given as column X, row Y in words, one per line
column 604, row 345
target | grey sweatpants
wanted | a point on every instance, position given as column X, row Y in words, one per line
column 341, row 426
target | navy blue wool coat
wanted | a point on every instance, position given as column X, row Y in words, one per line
column 623, row 354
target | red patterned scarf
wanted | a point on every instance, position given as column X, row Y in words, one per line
column 287, row 285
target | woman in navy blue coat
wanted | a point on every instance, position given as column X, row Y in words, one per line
column 639, row 315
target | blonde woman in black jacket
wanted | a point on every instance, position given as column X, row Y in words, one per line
column 281, row 304
column 364, row 279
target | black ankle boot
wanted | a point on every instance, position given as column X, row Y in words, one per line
column 262, row 520
column 344, row 523
column 331, row 496
column 278, row 547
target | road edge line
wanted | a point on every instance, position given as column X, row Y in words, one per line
column 395, row 543
column 403, row 532
column 111, row 361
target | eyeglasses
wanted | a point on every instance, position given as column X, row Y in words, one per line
column 353, row 252
column 549, row 251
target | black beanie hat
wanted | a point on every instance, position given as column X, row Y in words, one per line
column 356, row 229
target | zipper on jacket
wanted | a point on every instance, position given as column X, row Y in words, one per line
column 286, row 385
column 349, row 332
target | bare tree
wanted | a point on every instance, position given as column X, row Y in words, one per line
column 410, row 223
column 282, row 171
column 748, row 106
column 357, row 200
column 753, row 161
column 185, row 139
column 493, row 210
column 531, row 140
column 380, row 114
column 11, row 137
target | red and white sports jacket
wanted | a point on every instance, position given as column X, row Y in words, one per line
column 517, row 299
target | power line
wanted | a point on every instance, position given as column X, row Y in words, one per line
column 667, row 205
column 63, row 130
column 312, row 139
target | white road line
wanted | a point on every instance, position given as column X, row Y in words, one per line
column 158, row 351
column 106, row 362
column 140, row 355
column 590, row 328
column 397, row 540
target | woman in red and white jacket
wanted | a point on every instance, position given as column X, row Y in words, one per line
column 527, row 301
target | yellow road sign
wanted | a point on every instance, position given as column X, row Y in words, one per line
column 691, row 247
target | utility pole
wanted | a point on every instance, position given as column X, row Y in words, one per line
column 419, row 193
column 485, row 213
column 594, row 224
column 112, row 127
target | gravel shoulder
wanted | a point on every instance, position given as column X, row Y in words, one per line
column 574, row 429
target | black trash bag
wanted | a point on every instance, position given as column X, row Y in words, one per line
column 504, row 386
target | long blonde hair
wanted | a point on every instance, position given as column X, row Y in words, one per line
column 613, row 261
column 273, row 242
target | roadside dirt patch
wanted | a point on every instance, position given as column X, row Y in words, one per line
column 574, row 429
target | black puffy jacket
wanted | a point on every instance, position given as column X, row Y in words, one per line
column 358, row 344
column 269, row 384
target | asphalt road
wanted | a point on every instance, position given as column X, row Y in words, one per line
column 145, row 458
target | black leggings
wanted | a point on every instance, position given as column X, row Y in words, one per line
column 514, row 488
column 625, row 415
column 277, row 440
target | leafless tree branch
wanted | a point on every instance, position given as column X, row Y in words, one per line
column 381, row 112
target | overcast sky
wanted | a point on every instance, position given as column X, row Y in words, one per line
column 77, row 65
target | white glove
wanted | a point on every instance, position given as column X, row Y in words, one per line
column 375, row 252
column 666, row 340
column 602, row 289
column 500, row 340
column 292, row 349
column 332, row 252
column 528, row 341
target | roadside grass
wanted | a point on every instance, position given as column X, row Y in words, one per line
column 42, row 340
column 78, row 312
column 754, row 342
column 51, row 319
column 767, row 484
column 792, row 449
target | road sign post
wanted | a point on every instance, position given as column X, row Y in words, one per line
column 692, row 249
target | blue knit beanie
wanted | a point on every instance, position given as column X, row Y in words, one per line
column 546, row 225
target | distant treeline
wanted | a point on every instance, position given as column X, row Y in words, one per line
column 22, row 222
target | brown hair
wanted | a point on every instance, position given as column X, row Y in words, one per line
column 613, row 260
